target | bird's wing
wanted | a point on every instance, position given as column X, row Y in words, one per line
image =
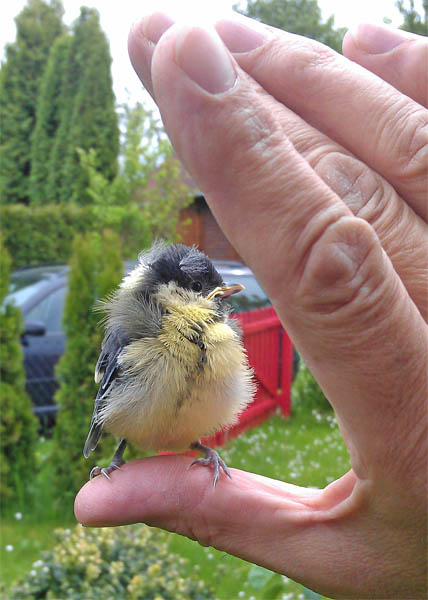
column 106, row 372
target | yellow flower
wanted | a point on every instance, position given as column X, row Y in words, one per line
column 134, row 587
column 92, row 571
column 116, row 568
column 154, row 570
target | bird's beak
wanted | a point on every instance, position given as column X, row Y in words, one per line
column 225, row 291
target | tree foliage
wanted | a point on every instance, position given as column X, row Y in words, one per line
column 38, row 26
column 49, row 108
column 413, row 21
column 76, row 110
column 57, row 96
column 18, row 425
column 96, row 269
column 296, row 16
column 150, row 181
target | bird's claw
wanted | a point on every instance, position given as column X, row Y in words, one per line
column 113, row 466
column 212, row 458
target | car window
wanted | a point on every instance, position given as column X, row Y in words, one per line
column 49, row 311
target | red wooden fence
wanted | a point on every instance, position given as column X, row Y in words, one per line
column 270, row 354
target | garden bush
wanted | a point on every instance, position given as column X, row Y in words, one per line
column 37, row 234
column 96, row 269
column 18, row 425
column 132, row 562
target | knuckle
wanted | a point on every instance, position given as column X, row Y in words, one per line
column 310, row 56
column 368, row 195
column 410, row 142
column 199, row 529
column 341, row 269
column 365, row 192
column 416, row 141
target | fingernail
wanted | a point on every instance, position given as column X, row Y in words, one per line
column 203, row 57
column 242, row 34
column 375, row 39
column 155, row 25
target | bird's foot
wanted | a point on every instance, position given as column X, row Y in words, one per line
column 211, row 458
column 106, row 471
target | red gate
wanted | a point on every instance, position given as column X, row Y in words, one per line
column 270, row 354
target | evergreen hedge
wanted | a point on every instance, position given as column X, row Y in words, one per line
column 18, row 425
column 38, row 234
column 96, row 269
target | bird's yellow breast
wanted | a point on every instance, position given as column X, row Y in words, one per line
column 194, row 379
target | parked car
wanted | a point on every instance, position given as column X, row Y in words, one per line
column 39, row 291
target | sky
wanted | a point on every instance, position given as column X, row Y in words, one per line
column 116, row 17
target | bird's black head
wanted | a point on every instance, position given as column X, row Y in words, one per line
column 188, row 267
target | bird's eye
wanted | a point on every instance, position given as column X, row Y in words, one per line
column 196, row 286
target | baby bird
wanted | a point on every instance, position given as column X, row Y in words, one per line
column 172, row 367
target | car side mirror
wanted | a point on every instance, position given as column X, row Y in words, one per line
column 35, row 328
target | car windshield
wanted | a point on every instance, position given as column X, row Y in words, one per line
column 26, row 283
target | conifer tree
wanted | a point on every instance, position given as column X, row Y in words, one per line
column 96, row 269
column 87, row 117
column 296, row 16
column 413, row 20
column 18, row 425
column 50, row 104
column 38, row 25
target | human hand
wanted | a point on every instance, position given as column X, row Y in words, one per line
column 316, row 170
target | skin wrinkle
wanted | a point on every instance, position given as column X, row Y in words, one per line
column 366, row 196
column 413, row 141
column 407, row 135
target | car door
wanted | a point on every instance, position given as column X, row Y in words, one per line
column 42, row 352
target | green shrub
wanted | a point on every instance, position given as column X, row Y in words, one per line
column 96, row 268
column 306, row 394
column 18, row 425
column 132, row 562
column 36, row 234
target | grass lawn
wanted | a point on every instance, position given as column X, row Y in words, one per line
column 305, row 450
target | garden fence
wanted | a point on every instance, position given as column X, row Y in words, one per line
column 270, row 354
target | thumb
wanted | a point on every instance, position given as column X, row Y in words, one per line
column 398, row 57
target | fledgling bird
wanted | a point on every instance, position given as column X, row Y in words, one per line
column 172, row 367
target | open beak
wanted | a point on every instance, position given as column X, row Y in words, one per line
column 225, row 291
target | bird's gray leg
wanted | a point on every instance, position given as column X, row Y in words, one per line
column 116, row 462
column 211, row 457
